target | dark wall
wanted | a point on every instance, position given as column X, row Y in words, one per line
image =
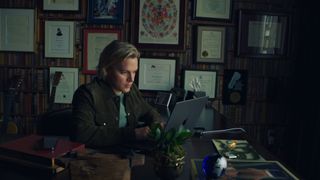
column 303, row 145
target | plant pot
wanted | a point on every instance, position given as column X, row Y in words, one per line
column 168, row 169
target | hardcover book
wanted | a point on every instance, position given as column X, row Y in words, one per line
column 236, row 149
column 246, row 169
column 38, row 151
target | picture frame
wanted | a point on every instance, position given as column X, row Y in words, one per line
column 156, row 73
column 17, row 30
column 95, row 40
column 106, row 12
column 235, row 84
column 263, row 34
column 68, row 84
column 200, row 80
column 59, row 39
column 212, row 10
column 62, row 5
column 163, row 33
column 210, row 44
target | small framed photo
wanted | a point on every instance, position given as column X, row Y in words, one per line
column 105, row 12
column 156, row 74
column 235, row 84
column 159, row 25
column 59, row 39
column 200, row 80
column 67, row 85
column 61, row 5
column 212, row 9
column 263, row 34
column 17, row 30
column 95, row 40
column 210, row 44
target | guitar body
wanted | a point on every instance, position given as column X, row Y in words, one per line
column 8, row 126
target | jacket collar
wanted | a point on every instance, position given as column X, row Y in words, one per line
column 108, row 89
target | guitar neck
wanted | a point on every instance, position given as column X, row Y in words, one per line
column 52, row 97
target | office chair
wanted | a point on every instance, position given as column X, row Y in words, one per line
column 55, row 123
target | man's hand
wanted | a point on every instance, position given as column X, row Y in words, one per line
column 142, row 133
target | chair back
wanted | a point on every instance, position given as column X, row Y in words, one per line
column 55, row 123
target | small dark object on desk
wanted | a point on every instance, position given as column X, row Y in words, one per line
column 47, row 143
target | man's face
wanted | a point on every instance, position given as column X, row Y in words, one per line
column 122, row 75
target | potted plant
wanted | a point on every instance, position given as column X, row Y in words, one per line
column 169, row 154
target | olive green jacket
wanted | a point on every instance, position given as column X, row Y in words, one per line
column 95, row 116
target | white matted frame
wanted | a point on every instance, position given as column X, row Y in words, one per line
column 212, row 9
column 67, row 84
column 17, row 30
column 95, row 40
column 210, row 46
column 200, row 80
column 59, row 39
column 157, row 74
column 61, row 5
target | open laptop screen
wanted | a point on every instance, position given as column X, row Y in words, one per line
column 186, row 113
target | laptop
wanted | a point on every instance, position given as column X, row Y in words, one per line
column 186, row 113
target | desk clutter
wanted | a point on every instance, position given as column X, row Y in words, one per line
column 243, row 162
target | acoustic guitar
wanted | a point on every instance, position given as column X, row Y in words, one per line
column 56, row 79
column 9, row 99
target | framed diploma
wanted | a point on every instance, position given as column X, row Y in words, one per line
column 263, row 34
column 68, row 83
column 210, row 46
column 17, row 30
column 95, row 40
column 61, row 5
column 200, row 80
column 211, row 9
column 59, row 39
column 159, row 25
column 106, row 11
column 156, row 74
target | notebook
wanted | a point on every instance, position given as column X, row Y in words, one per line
column 186, row 113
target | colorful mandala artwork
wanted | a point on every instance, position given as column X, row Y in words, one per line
column 159, row 18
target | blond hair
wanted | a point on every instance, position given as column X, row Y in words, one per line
column 114, row 53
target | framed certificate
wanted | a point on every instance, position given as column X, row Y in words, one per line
column 95, row 40
column 17, row 30
column 263, row 34
column 156, row 74
column 212, row 9
column 210, row 46
column 200, row 80
column 59, row 39
column 61, row 5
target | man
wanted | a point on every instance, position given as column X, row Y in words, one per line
column 109, row 110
